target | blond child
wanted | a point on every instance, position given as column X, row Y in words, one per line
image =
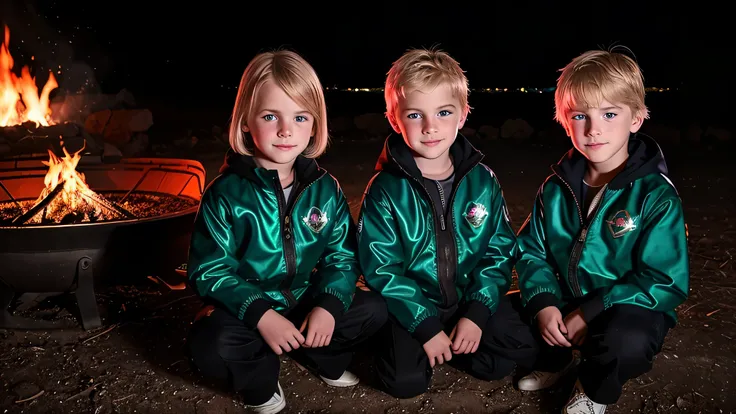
column 603, row 255
column 435, row 239
column 265, row 223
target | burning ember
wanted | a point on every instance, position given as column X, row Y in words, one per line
column 19, row 98
column 68, row 195
column 67, row 198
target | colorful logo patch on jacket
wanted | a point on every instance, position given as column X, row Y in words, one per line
column 315, row 219
column 621, row 223
column 476, row 214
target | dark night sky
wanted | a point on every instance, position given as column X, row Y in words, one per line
column 184, row 52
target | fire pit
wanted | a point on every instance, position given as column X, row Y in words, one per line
column 71, row 221
column 68, row 224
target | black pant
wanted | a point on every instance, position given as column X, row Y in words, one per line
column 620, row 345
column 403, row 367
column 223, row 349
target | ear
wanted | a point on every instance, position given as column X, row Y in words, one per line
column 244, row 128
column 392, row 120
column 636, row 121
column 463, row 118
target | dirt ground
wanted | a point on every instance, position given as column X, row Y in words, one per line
column 136, row 361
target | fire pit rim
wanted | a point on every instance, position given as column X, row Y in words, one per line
column 98, row 163
column 120, row 222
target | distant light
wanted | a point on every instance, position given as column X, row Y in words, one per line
column 550, row 89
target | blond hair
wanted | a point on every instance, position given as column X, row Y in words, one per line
column 599, row 75
column 298, row 80
column 421, row 68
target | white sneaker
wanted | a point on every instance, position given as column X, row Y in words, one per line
column 580, row 403
column 539, row 380
column 272, row 406
column 347, row 379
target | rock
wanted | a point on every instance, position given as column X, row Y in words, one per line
column 77, row 107
column 118, row 126
column 468, row 132
column 488, row 132
column 717, row 134
column 136, row 146
column 516, row 129
column 28, row 139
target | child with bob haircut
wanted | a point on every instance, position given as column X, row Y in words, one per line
column 273, row 249
column 435, row 237
column 603, row 255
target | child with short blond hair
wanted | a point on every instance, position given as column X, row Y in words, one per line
column 435, row 238
column 603, row 255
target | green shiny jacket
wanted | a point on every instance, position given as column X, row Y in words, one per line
column 631, row 250
column 424, row 263
column 251, row 250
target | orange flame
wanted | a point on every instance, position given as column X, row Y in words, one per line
column 64, row 170
column 19, row 98
column 66, row 195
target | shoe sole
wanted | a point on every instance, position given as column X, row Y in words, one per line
column 340, row 384
column 565, row 372
column 331, row 383
column 276, row 408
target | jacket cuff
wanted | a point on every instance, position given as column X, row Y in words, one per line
column 331, row 304
column 539, row 302
column 592, row 308
column 255, row 311
column 427, row 329
column 478, row 313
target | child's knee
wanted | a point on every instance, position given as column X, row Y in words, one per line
column 509, row 330
column 210, row 339
column 373, row 311
column 635, row 346
column 484, row 366
column 377, row 311
column 406, row 385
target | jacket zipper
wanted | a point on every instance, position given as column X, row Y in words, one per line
column 287, row 238
column 446, row 245
column 577, row 248
column 445, row 238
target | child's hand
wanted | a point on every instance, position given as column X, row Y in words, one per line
column 278, row 332
column 438, row 349
column 576, row 327
column 552, row 327
column 321, row 325
column 466, row 336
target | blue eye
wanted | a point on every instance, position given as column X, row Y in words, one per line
column 301, row 118
column 578, row 117
column 609, row 115
column 413, row 116
column 445, row 112
column 269, row 117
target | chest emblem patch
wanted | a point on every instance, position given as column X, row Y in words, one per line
column 476, row 214
column 621, row 223
column 315, row 219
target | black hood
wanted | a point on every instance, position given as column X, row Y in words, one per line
column 397, row 157
column 645, row 157
column 305, row 169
